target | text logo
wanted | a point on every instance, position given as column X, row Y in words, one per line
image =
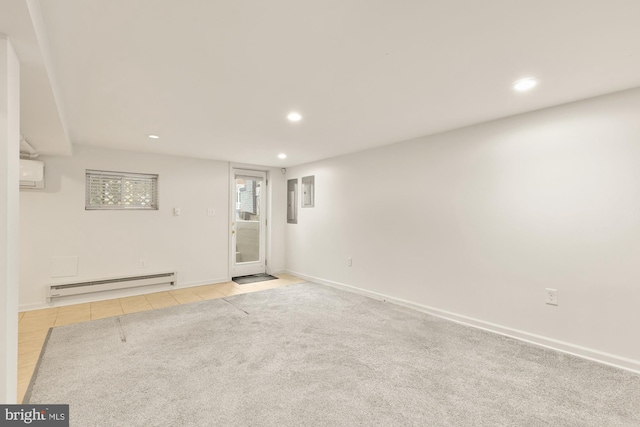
column 34, row 415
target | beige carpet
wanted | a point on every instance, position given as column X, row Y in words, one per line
column 311, row 355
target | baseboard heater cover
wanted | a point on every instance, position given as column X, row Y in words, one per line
column 91, row 286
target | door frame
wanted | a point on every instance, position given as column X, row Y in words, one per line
column 261, row 264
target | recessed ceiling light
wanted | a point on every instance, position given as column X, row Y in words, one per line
column 525, row 84
column 282, row 156
column 294, row 117
column 153, row 136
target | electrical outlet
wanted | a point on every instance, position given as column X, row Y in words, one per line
column 142, row 263
column 211, row 212
column 349, row 262
column 551, row 296
column 176, row 212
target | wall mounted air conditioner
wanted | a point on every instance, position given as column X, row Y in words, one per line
column 31, row 174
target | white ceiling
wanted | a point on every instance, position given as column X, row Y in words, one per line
column 215, row 79
column 40, row 117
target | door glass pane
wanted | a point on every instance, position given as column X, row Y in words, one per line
column 247, row 218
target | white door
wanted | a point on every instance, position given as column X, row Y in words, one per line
column 248, row 222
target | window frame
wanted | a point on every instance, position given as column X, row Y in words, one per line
column 153, row 178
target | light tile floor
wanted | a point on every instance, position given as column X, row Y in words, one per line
column 33, row 326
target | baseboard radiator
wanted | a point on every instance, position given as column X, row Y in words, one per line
column 78, row 288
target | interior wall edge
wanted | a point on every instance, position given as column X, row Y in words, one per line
column 120, row 293
column 594, row 355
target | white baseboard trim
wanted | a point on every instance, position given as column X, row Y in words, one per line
column 202, row 283
column 539, row 340
column 120, row 293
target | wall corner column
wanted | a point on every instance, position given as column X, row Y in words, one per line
column 9, row 219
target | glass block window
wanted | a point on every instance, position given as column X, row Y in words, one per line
column 120, row 190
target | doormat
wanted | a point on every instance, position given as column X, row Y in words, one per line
column 243, row 280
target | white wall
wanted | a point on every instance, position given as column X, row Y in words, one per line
column 55, row 223
column 9, row 160
column 477, row 222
